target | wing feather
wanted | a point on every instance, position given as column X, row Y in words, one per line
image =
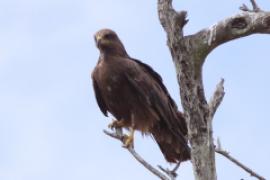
column 163, row 105
column 100, row 101
column 157, row 78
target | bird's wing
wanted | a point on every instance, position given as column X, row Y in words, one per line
column 98, row 96
column 157, row 78
column 151, row 88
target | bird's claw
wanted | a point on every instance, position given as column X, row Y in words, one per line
column 116, row 124
column 128, row 141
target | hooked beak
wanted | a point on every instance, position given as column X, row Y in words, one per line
column 97, row 40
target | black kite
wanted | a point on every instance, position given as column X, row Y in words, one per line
column 135, row 95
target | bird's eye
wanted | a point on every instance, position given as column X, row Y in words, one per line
column 109, row 36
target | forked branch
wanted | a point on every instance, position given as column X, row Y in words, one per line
column 171, row 173
column 246, row 23
column 254, row 5
column 172, row 21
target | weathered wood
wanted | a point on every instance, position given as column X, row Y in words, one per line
column 189, row 54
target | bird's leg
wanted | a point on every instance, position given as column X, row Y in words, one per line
column 116, row 124
column 129, row 139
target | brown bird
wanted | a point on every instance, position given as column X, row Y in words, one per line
column 136, row 96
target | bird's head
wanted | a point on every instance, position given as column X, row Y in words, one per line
column 108, row 42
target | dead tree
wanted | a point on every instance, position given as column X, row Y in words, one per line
column 189, row 54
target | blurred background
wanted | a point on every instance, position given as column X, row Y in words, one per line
column 50, row 124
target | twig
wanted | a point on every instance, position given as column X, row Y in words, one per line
column 120, row 136
column 171, row 173
column 254, row 6
column 216, row 98
column 227, row 155
column 176, row 167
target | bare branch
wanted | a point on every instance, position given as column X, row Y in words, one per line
column 171, row 173
column 146, row 164
column 216, row 99
column 165, row 6
column 172, row 21
column 240, row 25
column 176, row 167
column 120, row 136
column 115, row 135
column 227, row 155
column 218, row 144
column 245, row 8
column 254, row 6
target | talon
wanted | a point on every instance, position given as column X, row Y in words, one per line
column 129, row 139
column 116, row 124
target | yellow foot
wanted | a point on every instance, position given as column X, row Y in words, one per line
column 129, row 139
column 116, row 124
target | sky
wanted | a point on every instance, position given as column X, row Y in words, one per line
column 50, row 124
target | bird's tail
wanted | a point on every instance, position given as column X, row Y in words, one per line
column 172, row 144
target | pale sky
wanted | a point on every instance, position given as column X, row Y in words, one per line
column 50, row 124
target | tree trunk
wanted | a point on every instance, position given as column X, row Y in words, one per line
column 188, row 54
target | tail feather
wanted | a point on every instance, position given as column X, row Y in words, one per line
column 171, row 148
column 172, row 143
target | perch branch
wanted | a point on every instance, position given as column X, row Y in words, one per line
column 216, row 99
column 120, row 136
column 226, row 154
